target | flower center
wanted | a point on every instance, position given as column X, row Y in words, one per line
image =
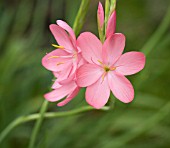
column 106, row 69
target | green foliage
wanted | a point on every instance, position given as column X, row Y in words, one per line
column 24, row 40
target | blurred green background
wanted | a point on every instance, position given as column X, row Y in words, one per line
column 24, row 40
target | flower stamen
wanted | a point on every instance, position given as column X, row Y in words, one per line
column 56, row 46
column 113, row 68
column 103, row 76
column 100, row 62
column 59, row 63
column 53, row 57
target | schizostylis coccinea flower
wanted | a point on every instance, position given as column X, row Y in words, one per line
column 106, row 68
column 63, row 62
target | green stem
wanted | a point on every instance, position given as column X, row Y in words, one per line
column 38, row 124
column 112, row 6
column 32, row 117
column 107, row 10
column 80, row 18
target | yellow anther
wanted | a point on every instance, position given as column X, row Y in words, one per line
column 106, row 68
column 113, row 68
column 100, row 61
column 60, row 63
column 103, row 76
column 56, row 46
column 53, row 57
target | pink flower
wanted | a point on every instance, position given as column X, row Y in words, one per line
column 107, row 68
column 100, row 15
column 111, row 25
column 64, row 60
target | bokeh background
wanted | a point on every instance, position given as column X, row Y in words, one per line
column 24, row 40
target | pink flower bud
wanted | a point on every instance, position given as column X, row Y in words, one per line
column 100, row 15
column 111, row 25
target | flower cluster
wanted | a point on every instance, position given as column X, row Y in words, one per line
column 87, row 62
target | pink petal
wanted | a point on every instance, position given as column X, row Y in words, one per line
column 60, row 93
column 81, row 61
column 69, row 97
column 66, row 27
column 70, row 75
column 120, row 87
column 64, row 74
column 51, row 63
column 56, row 74
column 100, row 15
column 88, row 74
column 111, row 26
column 61, row 37
column 90, row 46
column 113, row 48
column 130, row 63
column 98, row 94
column 56, row 85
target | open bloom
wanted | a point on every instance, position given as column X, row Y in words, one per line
column 64, row 60
column 107, row 68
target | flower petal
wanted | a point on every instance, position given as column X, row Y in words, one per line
column 69, row 97
column 88, row 74
column 64, row 74
column 113, row 48
column 61, row 37
column 56, row 85
column 66, row 27
column 56, row 74
column 90, row 46
column 111, row 26
column 54, row 64
column 60, row 92
column 98, row 94
column 120, row 87
column 130, row 63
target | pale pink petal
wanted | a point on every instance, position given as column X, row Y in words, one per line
column 64, row 74
column 90, row 46
column 68, row 74
column 60, row 93
column 130, row 63
column 52, row 63
column 56, row 74
column 67, row 80
column 61, row 37
column 81, row 61
column 66, row 27
column 121, row 87
column 56, row 85
column 111, row 26
column 98, row 93
column 113, row 48
column 100, row 15
column 88, row 74
column 69, row 97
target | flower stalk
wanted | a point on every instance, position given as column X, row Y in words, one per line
column 25, row 119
